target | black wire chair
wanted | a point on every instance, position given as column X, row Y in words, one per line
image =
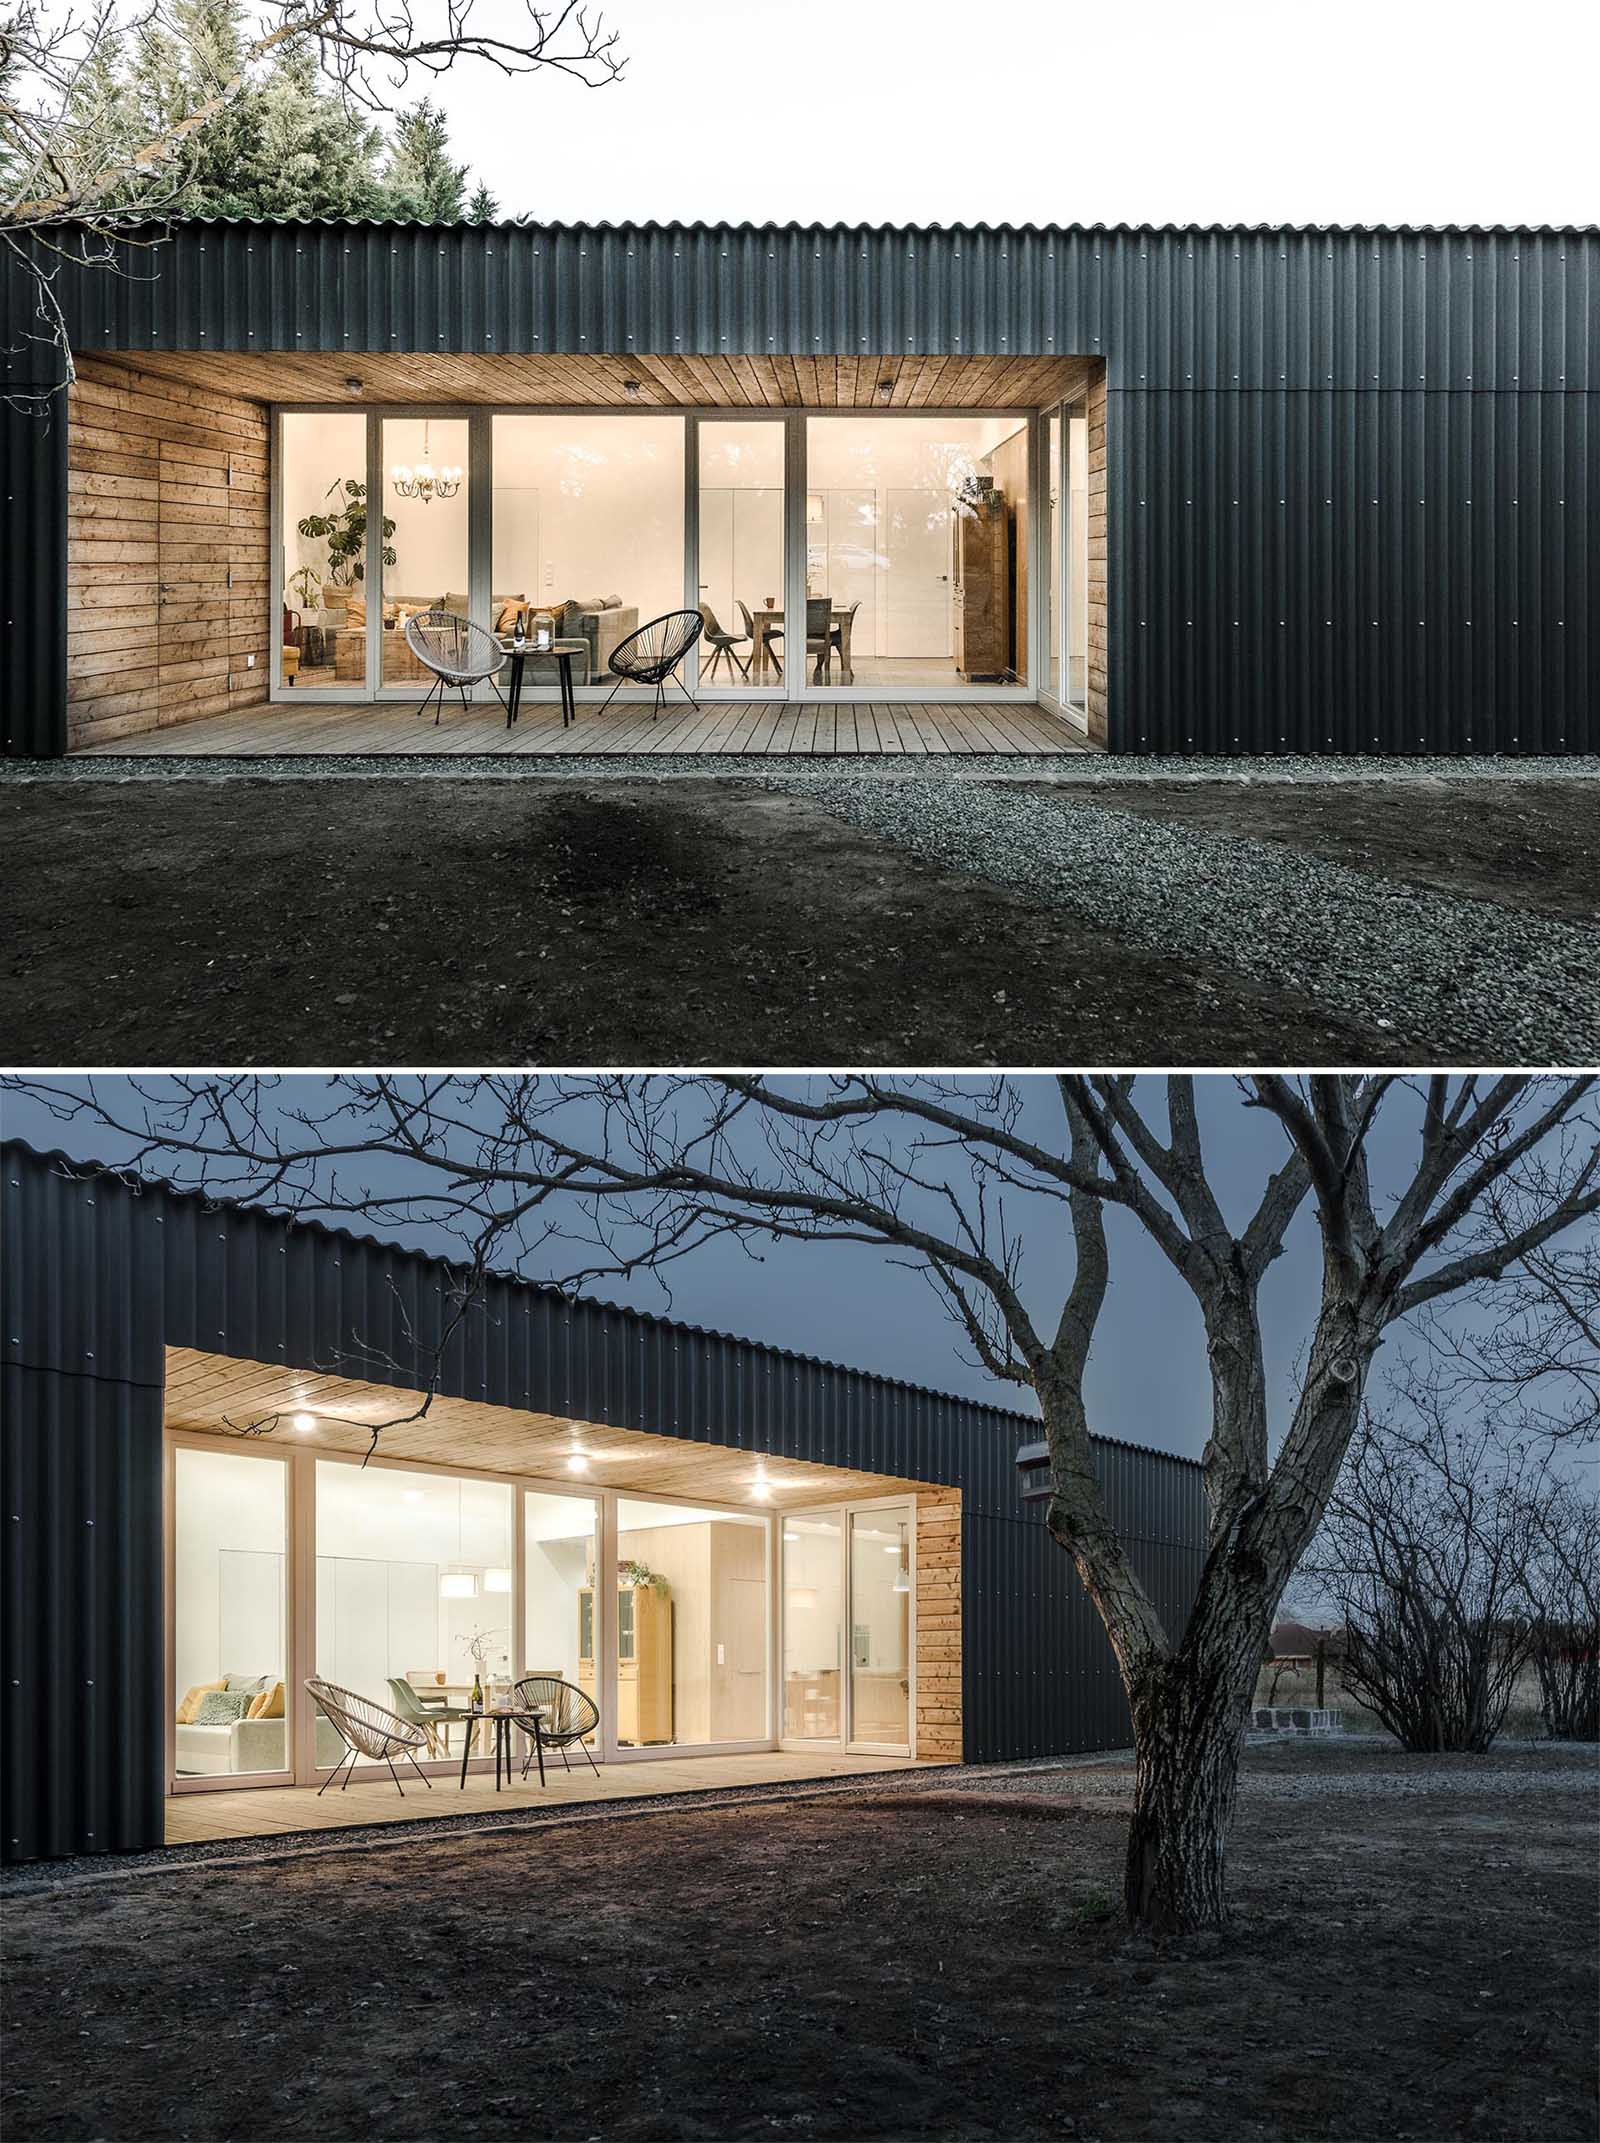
column 568, row 1715
column 650, row 655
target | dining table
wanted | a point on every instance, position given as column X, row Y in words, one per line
column 765, row 622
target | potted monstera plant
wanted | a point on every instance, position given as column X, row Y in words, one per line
column 344, row 530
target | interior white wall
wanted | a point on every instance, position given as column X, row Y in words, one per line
column 430, row 535
column 559, row 1555
column 812, row 1607
column 224, row 1506
column 605, row 497
column 321, row 449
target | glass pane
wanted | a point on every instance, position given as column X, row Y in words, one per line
column 229, row 1631
column 880, row 1627
column 424, row 462
column 559, row 1542
column 813, row 1627
column 1078, row 558
column 588, row 526
column 695, row 1585
column 1057, row 554
column 323, row 469
column 916, row 533
column 741, row 553
column 414, row 1576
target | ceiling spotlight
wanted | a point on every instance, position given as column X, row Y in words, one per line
column 761, row 1489
column 633, row 388
column 352, row 383
column 885, row 389
column 305, row 1423
column 578, row 1462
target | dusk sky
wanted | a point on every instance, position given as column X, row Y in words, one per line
column 854, row 1305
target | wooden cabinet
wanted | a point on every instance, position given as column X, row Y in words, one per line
column 983, row 589
column 644, row 1661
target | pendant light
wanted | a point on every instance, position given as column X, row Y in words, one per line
column 902, row 1576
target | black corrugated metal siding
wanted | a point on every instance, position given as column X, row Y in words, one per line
column 99, row 1274
column 33, row 575
column 1297, row 423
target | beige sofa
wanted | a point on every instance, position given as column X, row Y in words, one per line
column 605, row 621
column 246, row 1745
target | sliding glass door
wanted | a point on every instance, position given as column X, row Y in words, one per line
column 742, row 552
column 849, row 1627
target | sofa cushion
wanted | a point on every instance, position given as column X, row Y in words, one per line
column 249, row 1685
column 221, row 1707
column 455, row 601
column 269, row 1705
column 191, row 1700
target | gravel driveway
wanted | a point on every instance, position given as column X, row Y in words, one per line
column 1458, row 978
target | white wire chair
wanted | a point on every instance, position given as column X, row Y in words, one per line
column 456, row 652
column 366, row 1729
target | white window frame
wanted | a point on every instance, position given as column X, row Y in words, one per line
column 299, row 1464
column 795, row 687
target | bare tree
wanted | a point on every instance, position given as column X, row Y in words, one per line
column 934, row 1171
column 1562, row 1588
column 1426, row 1550
column 76, row 191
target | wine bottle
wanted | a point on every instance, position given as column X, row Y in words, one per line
column 477, row 1693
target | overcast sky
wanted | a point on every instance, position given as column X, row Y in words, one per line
column 854, row 1305
column 923, row 111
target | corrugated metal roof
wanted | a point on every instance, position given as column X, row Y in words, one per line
column 137, row 1181
column 919, row 230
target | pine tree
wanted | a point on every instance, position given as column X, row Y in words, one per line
column 483, row 207
column 421, row 183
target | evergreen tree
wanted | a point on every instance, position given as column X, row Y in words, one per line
column 483, row 207
column 420, row 182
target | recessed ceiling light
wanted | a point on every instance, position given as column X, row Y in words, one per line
column 632, row 388
column 578, row 1462
column 304, row 1422
column 761, row 1489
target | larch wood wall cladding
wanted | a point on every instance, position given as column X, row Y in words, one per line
column 168, row 553
column 1096, row 700
column 938, row 1681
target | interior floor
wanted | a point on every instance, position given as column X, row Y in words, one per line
column 263, row 1811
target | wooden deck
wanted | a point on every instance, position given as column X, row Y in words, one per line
column 719, row 728
column 272, row 1811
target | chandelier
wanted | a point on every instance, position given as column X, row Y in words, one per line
column 425, row 482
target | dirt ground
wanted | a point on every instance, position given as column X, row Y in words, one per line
column 1411, row 1961
column 1531, row 845
column 519, row 922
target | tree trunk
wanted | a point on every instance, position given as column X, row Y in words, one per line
column 1188, row 1726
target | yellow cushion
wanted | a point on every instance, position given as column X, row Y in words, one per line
column 506, row 617
column 272, row 1703
column 191, row 1702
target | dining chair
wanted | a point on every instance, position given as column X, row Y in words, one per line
column 774, row 651
column 724, row 646
column 427, row 1712
column 820, row 638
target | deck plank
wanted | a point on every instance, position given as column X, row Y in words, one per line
column 392, row 729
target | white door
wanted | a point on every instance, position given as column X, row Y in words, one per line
column 916, row 595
